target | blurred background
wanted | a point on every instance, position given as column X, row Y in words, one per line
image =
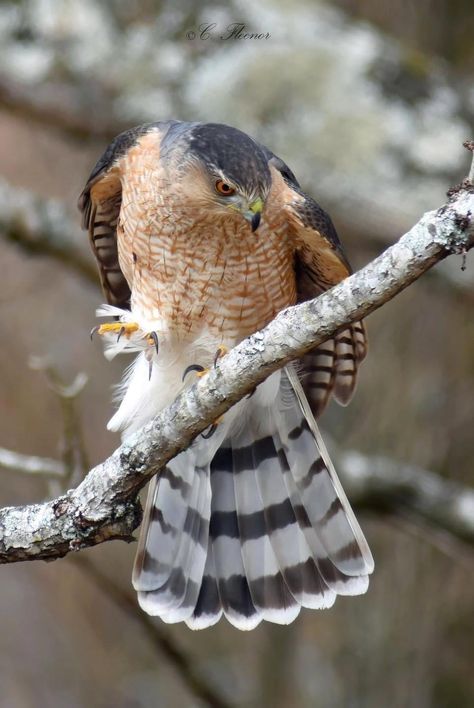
column 369, row 102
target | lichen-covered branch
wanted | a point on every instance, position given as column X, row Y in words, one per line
column 105, row 504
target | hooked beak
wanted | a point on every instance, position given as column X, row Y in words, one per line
column 254, row 213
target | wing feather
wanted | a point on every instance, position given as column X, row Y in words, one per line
column 100, row 203
column 331, row 369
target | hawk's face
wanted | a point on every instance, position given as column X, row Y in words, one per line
column 226, row 173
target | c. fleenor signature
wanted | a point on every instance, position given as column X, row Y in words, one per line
column 236, row 30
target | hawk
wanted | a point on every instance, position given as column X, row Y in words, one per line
column 202, row 235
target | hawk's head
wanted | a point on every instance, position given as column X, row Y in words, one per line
column 224, row 169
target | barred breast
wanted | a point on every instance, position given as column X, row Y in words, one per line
column 194, row 269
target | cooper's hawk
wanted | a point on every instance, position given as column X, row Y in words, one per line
column 202, row 235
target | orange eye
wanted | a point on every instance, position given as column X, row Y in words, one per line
column 224, row 188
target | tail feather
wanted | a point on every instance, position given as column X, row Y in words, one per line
column 208, row 610
column 225, row 545
column 168, row 574
column 184, row 598
column 270, row 594
column 277, row 521
column 252, row 524
column 323, row 497
column 169, row 498
column 315, row 591
column 323, row 508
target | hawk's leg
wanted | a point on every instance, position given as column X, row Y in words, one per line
column 201, row 371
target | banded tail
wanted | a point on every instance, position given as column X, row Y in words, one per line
column 252, row 523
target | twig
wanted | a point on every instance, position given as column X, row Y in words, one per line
column 105, row 504
column 74, row 454
column 30, row 464
column 469, row 145
column 184, row 665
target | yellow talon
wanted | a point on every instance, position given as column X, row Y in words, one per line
column 127, row 329
column 120, row 328
column 222, row 351
column 201, row 371
column 152, row 339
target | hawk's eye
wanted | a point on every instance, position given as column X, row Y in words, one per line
column 224, row 188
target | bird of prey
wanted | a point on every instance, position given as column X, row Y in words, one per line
column 202, row 235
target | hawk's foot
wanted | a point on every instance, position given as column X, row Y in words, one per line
column 209, row 432
column 125, row 329
column 197, row 368
column 201, row 371
column 119, row 328
column 222, row 351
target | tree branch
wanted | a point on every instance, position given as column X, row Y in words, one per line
column 43, row 226
column 31, row 464
column 74, row 455
column 54, row 110
column 385, row 486
column 105, row 505
column 376, row 484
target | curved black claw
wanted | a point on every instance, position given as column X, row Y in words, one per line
column 154, row 337
column 122, row 330
column 94, row 330
column 192, row 367
column 210, row 432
